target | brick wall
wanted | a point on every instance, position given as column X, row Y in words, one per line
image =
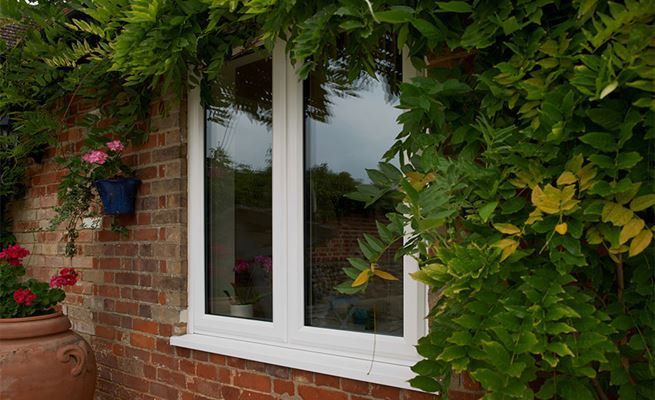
column 132, row 294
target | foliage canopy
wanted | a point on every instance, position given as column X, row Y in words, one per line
column 527, row 176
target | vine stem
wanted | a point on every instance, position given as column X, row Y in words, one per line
column 599, row 390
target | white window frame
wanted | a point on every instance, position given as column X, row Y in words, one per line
column 287, row 341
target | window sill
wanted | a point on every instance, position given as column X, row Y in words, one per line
column 284, row 355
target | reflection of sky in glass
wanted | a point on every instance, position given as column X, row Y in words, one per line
column 244, row 140
column 359, row 131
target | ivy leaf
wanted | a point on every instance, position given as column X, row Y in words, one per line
column 640, row 242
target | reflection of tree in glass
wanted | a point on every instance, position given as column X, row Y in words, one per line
column 337, row 78
column 250, row 90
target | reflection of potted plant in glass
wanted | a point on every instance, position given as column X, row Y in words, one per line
column 246, row 292
column 36, row 343
column 99, row 168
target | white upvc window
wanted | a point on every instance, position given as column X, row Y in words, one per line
column 269, row 162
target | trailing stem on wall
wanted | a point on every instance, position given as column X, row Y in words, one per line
column 526, row 171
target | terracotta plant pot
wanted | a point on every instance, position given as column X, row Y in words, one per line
column 42, row 359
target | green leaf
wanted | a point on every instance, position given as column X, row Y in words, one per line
column 359, row 263
column 455, row 6
column 486, row 210
column 396, row 16
column 602, row 141
column 425, row 383
column 559, row 348
column 628, row 160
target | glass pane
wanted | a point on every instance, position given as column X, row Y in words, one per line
column 238, row 188
column 348, row 127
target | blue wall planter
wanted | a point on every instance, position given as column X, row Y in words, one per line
column 118, row 195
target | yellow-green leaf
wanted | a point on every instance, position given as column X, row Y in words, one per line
column 508, row 229
column 594, row 236
column 508, row 247
column 575, row 163
column 534, row 216
column 642, row 202
column 585, row 175
column 567, row 178
column 640, row 242
column 384, row 275
column 609, row 89
column 362, row 278
column 616, row 214
column 546, row 200
column 631, row 229
column 562, row 228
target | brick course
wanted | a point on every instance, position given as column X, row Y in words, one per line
column 132, row 292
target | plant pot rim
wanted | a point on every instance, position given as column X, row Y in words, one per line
column 122, row 178
column 29, row 327
column 32, row 318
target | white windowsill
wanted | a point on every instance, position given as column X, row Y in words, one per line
column 288, row 356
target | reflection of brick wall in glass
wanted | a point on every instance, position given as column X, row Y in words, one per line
column 357, row 125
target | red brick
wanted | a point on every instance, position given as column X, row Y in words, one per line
column 326, row 380
column 145, row 326
column 163, row 391
column 230, row 393
column 355, row 387
column 385, row 392
column 188, row 367
column 175, row 379
column 415, row 395
column 249, row 380
column 145, row 342
column 103, row 331
column 457, row 395
column 302, row 376
column 164, row 361
column 207, row 371
column 314, row 393
column 281, row 386
column 127, row 308
column 248, row 395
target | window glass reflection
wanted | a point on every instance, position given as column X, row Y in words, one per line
column 238, row 187
column 348, row 127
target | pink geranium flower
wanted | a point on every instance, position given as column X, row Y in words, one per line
column 241, row 266
column 115, row 145
column 266, row 262
column 24, row 296
column 95, row 157
column 66, row 277
column 13, row 255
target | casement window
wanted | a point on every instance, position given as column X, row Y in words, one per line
column 270, row 228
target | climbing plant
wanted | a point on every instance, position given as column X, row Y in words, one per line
column 526, row 168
